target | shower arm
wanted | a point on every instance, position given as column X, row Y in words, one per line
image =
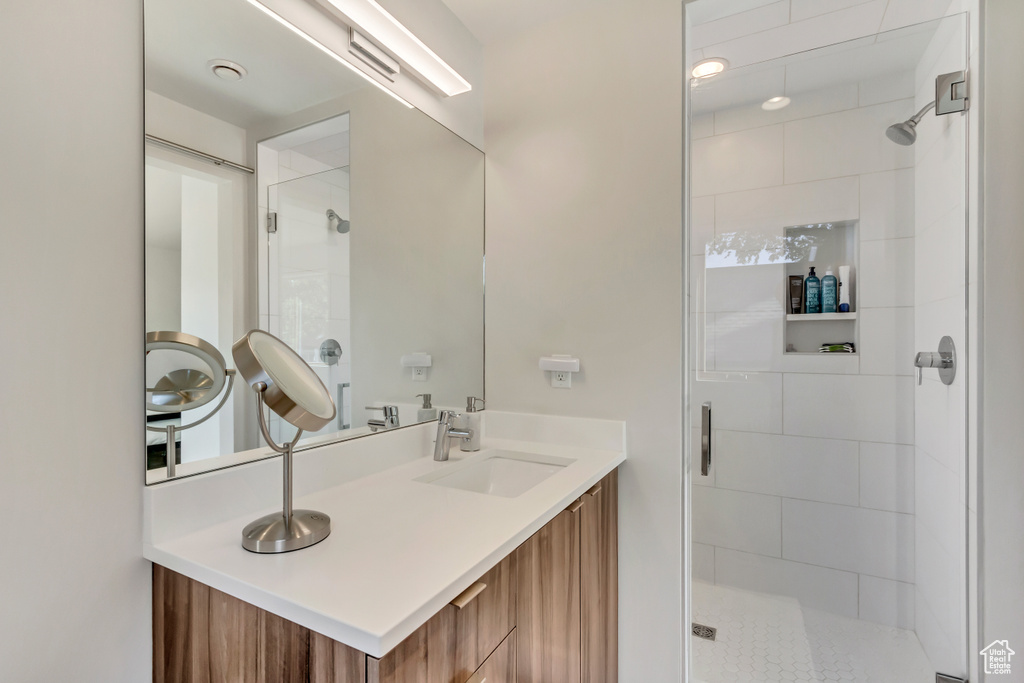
column 916, row 118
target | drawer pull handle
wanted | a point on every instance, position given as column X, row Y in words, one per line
column 466, row 596
column 577, row 505
column 595, row 489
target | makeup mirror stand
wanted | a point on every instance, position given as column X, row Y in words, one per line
column 290, row 529
column 172, row 430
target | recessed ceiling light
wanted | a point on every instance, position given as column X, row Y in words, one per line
column 228, row 70
column 706, row 68
column 774, row 103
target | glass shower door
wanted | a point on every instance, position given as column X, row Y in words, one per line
column 828, row 535
column 309, row 295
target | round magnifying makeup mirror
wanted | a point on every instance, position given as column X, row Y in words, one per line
column 288, row 386
column 183, row 372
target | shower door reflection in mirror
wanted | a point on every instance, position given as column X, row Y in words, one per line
column 310, row 307
column 828, row 537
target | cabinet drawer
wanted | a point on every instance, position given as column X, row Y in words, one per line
column 456, row 640
column 483, row 623
column 500, row 667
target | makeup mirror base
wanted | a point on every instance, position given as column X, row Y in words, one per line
column 274, row 534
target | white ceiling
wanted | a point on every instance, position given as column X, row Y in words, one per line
column 493, row 20
column 866, row 60
column 286, row 74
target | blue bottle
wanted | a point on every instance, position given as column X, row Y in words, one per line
column 829, row 292
column 812, row 293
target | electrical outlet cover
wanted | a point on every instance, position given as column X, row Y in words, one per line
column 561, row 379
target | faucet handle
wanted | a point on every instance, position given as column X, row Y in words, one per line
column 389, row 411
column 446, row 416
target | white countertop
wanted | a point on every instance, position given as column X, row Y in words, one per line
column 399, row 549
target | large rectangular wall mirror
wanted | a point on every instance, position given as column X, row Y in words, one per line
column 304, row 201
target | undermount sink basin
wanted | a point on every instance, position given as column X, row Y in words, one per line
column 499, row 473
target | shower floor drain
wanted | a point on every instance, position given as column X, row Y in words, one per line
column 702, row 631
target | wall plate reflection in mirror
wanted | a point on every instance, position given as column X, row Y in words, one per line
column 287, row 385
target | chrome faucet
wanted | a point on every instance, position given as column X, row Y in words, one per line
column 445, row 434
column 390, row 420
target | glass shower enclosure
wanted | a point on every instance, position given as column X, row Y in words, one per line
column 828, row 526
column 309, row 298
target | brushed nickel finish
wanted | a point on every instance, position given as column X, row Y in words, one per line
column 944, row 360
column 390, row 420
column 181, row 387
column 216, row 161
column 277, row 397
column 186, row 388
column 446, row 432
column 705, row 438
column 287, row 385
column 169, row 340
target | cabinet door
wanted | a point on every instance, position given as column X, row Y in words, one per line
column 599, row 581
column 548, row 607
column 201, row 635
column 284, row 650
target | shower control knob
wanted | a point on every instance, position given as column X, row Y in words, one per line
column 944, row 360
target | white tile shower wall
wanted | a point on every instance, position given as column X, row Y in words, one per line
column 813, row 476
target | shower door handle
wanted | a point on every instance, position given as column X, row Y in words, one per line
column 705, row 438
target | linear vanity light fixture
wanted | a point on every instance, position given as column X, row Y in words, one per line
column 370, row 18
column 323, row 48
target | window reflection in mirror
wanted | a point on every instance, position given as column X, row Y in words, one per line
column 378, row 247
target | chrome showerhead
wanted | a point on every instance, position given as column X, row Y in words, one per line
column 905, row 132
column 342, row 224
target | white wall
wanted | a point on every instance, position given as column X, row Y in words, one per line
column 584, row 256
column 76, row 591
column 811, row 491
column 1002, row 505
column 233, row 248
column 416, row 242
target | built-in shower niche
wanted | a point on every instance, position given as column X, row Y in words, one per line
column 826, row 246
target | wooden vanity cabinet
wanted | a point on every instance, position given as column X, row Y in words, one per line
column 548, row 614
column 201, row 635
column 567, row 613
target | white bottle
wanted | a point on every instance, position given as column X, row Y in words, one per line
column 844, row 289
column 471, row 420
column 427, row 413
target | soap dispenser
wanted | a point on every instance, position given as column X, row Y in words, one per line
column 471, row 420
column 812, row 293
column 427, row 413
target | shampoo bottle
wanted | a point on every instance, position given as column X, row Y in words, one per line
column 812, row 292
column 471, row 420
column 829, row 294
column 427, row 413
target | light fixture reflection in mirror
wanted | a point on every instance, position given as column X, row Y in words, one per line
column 173, row 357
column 288, row 386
